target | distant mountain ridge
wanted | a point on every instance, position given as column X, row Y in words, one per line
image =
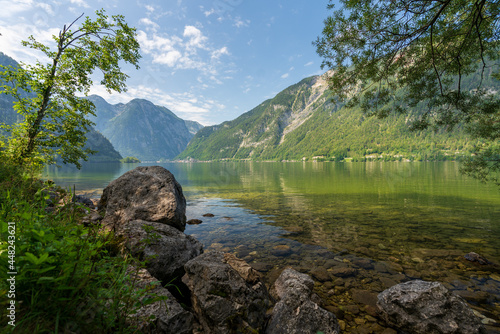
column 138, row 128
column 142, row 129
column 304, row 123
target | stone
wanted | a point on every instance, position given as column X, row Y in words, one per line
column 249, row 274
column 363, row 263
column 295, row 312
column 164, row 248
column 261, row 266
column 93, row 218
column 144, row 193
column 344, row 272
column 209, row 215
column 364, row 297
column 474, row 257
column 227, row 295
column 321, row 274
column 83, row 200
column 291, row 280
column 387, row 282
column 194, row 222
column 168, row 315
column 281, row 250
column 427, row 307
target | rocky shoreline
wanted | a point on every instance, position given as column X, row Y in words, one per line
column 220, row 293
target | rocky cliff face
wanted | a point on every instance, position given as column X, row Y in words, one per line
column 143, row 129
column 260, row 131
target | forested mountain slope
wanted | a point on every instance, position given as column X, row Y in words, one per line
column 304, row 122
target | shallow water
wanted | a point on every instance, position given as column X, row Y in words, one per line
column 357, row 228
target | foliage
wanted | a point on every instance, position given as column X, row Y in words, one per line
column 390, row 56
column 330, row 131
column 130, row 160
column 69, row 278
column 54, row 118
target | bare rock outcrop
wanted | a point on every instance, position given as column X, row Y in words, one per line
column 295, row 312
column 164, row 249
column 164, row 316
column 427, row 308
column 227, row 294
column 145, row 193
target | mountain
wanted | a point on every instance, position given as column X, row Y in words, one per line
column 105, row 150
column 95, row 140
column 303, row 122
column 193, row 127
column 142, row 129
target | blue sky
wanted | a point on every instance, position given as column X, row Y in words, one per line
column 208, row 61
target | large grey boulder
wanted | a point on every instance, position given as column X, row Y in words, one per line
column 146, row 193
column 163, row 316
column 427, row 307
column 227, row 294
column 164, row 249
column 295, row 312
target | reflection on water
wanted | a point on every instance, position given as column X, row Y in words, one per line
column 352, row 226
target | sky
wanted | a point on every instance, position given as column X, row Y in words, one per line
column 207, row 61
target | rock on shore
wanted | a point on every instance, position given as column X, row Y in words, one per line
column 146, row 193
column 427, row 308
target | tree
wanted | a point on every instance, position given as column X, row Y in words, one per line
column 54, row 116
column 396, row 56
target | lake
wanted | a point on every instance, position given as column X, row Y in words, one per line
column 357, row 228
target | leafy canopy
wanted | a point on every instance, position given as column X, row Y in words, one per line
column 54, row 116
column 390, row 56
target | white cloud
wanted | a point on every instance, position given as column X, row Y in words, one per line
column 80, row 3
column 238, row 22
column 46, row 7
column 13, row 8
column 149, row 23
column 284, row 76
column 309, row 63
column 196, row 38
column 220, row 52
column 170, row 58
column 209, row 12
column 192, row 51
column 13, row 34
column 156, row 43
column 150, row 8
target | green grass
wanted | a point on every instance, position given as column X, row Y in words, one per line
column 69, row 277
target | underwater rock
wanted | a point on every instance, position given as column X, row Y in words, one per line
column 474, row 257
column 146, row 193
column 194, row 222
column 344, row 272
column 427, row 308
column 321, row 274
column 209, row 215
column 281, row 250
